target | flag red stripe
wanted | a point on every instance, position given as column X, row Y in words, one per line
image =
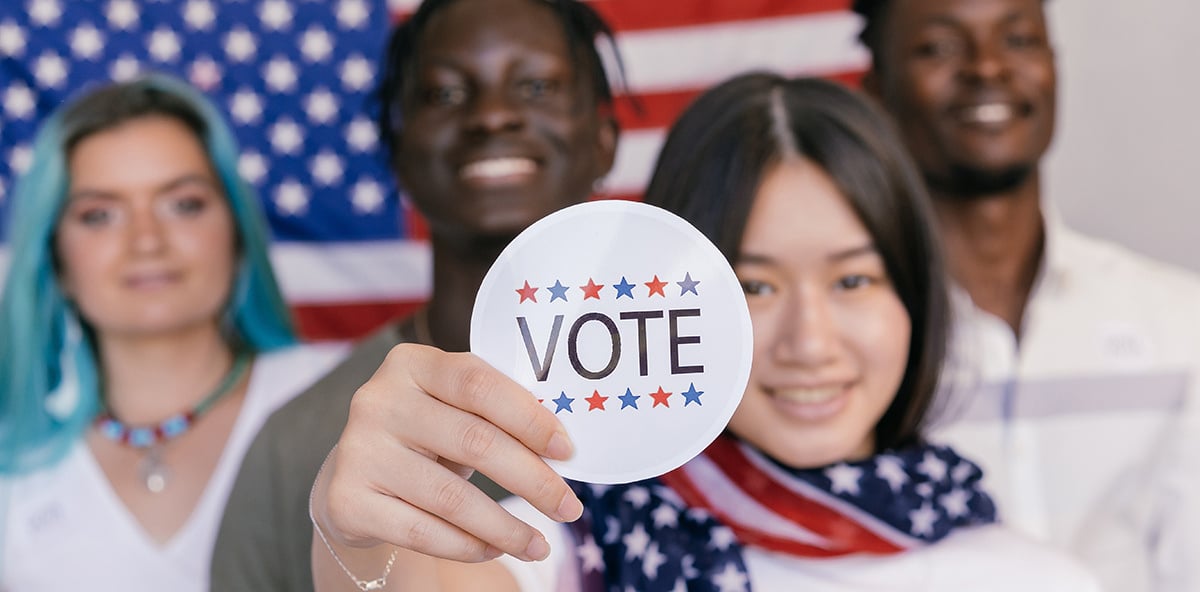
column 681, row 483
column 814, row 515
column 640, row 15
column 659, row 110
column 350, row 320
column 849, row 535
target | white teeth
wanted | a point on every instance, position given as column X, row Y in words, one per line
column 989, row 113
column 809, row 395
column 498, row 167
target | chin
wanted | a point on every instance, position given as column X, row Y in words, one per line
column 809, row 453
column 975, row 181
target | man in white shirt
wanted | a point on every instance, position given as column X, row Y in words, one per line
column 1074, row 380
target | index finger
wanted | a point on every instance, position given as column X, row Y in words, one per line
column 465, row 381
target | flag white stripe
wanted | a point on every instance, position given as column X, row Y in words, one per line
column 351, row 272
column 713, row 483
column 637, row 152
column 684, row 58
column 875, row 525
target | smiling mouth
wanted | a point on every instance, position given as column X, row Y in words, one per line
column 811, row 403
column 809, row 396
column 498, row 170
column 991, row 114
column 151, row 281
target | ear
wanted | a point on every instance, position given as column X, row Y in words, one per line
column 606, row 144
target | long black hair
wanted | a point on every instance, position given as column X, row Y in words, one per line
column 719, row 150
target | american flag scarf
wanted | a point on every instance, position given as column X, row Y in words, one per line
column 686, row 530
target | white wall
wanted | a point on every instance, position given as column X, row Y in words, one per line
column 1126, row 159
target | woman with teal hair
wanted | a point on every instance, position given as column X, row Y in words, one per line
column 143, row 340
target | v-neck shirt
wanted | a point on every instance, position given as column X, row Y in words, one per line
column 65, row 527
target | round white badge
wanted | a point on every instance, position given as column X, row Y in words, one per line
column 627, row 323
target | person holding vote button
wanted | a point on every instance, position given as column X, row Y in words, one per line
column 822, row 479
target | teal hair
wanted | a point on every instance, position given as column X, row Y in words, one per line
column 49, row 378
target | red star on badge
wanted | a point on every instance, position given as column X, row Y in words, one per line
column 596, row 401
column 660, row 398
column 527, row 293
column 656, row 286
column 591, row 290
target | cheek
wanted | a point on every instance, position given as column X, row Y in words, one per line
column 766, row 321
column 882, row 333
column 81, row 261
column 223, row 249
column 923, row 87
column 211, row 245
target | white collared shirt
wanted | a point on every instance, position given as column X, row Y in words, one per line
column 1088, row 430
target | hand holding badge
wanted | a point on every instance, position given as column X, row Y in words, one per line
column 628, row 324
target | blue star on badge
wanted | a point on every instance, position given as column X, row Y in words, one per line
column 692, row 395
column 563, row 402
column 688, row 285
column 629, row 399
column 624, row 288
column 557, row 291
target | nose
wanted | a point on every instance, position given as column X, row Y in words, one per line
column 808, row 334
column 494, row 111
column 986, row 62
column 146, row 230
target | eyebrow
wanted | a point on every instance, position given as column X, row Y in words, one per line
column 182, row 181
column 1012, row 16
column 867, row 249
column 853, row 252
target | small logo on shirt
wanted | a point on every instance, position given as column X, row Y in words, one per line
column 1126, row 345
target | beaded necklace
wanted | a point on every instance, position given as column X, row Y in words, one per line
column 151, row 438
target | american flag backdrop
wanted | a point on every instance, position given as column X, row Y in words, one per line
column 294, row 78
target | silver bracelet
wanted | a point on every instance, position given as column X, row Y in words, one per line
column 364, row 585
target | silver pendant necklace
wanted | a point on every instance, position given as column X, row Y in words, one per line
column 152, row 469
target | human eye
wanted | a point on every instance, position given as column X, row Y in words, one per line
column 93, row 213
column 854, row 281
column 940, row 46
column 445, row 95
column 859, row 275
column 189, row 200
column 1020, row 39
column 95, row 217
column 188, row 205
column 757, row 287
column 537, row 88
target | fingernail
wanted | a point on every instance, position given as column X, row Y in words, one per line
column 570, row 508
column 538, row 549
column 560, row 447
column 492, row 552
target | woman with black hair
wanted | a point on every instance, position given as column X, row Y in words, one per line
column 810, row 195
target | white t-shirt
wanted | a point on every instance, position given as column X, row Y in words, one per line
column 1089, row 433
column 66, row 529
column 980, row 559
